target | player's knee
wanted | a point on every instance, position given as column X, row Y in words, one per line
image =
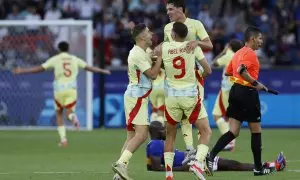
column 206, row 131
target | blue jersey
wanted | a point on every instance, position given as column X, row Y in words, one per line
column 156, row 148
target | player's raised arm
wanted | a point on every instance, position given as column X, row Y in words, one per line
column 36, row 69
column 97, row 70
column 218, row 58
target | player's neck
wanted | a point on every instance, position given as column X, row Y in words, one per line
column 142, row 45
column 181, row 19
column 249, row 45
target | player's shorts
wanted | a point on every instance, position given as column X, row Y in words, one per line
column 176, row 107
column 136, row 111
column 157, row 98
column 244, row 104
column 221, row 103
column 65, row 99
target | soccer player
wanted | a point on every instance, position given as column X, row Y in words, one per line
column 198, row 37
column 66, row 67
column 182, row 96
column 221, row 104
column 141, row 74
column 155, row 152
column 157, row 98
column 244, row 103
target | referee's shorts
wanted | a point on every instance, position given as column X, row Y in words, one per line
column 244, row 104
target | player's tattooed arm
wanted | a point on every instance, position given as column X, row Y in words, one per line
column 36, row 69
column 206, row 68
column 204, row 44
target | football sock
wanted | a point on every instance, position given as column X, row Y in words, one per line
column 222, row 142
column 187, row 132
column 256, row 149
column 202, row 151
column 169, row 158
column 62, row 133
column 125, row 157
column 222, row 125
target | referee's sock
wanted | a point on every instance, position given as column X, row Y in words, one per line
column 222, row 142
column 256, row 149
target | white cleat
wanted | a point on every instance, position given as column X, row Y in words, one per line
column 198, row 169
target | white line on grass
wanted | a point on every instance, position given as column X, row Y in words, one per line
column 295, row 170
column 7, row 173
column 53, row 172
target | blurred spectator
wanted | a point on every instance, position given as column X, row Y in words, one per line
column 205, row 18
column 15, row 14
column 54, row 13
column 279, row 20
column 87, row 8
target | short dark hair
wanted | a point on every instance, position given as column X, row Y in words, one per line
column 63, row 46
column 251, row 31
column 137, row 30
column 236, row 45
column 180, row 29
column 177, row 3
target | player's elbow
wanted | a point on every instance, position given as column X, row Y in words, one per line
column 209, row 46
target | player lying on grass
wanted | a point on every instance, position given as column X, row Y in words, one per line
column 155, row 152
column 66, row 67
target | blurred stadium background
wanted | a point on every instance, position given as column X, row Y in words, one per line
column 223, row 20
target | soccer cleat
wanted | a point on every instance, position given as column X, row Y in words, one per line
column 264, row 171
column 280, row 162
column 197, row 168
column 190, row 155
column 230, row 146
column 63, row 143
column 121, row 169
column 209, row 164
column 75, row 122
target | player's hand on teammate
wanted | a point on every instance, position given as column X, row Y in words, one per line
column 17, row 70
column 191, row 46
column 157, row 51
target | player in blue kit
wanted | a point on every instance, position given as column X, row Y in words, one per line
column 155, row 159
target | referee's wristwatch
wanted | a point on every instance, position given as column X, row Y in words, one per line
column 254, row 83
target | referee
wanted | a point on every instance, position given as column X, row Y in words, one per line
column 244, row 104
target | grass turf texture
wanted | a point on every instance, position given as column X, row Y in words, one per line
column 34, row 155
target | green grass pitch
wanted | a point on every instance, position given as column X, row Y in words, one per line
column 34, row 155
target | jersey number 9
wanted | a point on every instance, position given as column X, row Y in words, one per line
column 67, row 69
column 179, row 63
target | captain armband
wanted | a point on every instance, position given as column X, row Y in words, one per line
column 242, row 69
